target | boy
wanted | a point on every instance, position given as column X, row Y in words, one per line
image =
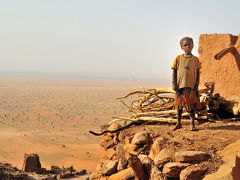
column 185, row 81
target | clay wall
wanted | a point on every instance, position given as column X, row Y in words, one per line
column 224, row 72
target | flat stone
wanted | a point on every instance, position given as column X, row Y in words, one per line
column 173, row 170
column 109, row 167
column 110, row 153
column 193, row 172
column 163, row 157
column 108, row 144
column 126, row 174
column 190, row 156
column 140, row 138
column 157, row 146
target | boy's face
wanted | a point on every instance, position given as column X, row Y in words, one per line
column 187, row 46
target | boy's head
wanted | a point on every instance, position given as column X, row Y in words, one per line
column 186, row 44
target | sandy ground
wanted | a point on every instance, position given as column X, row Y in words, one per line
column 52, row 117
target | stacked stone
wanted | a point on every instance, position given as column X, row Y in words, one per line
column 141, row 157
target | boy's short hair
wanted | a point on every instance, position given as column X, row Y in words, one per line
column 186, row 39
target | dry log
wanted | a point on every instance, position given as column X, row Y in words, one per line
column 157, row 113
column 136, row 165
column 147, row 120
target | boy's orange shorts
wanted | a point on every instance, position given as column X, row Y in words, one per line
column 188, row 98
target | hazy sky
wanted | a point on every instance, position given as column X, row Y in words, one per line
column 132, row 39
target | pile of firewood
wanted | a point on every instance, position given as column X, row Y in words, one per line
column 158, row 105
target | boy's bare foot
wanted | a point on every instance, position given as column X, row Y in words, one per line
column 178, row 126
column 192, row 128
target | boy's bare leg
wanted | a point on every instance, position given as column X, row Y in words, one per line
column 179, row 116
column 192, row 125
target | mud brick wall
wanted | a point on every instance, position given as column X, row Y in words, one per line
column 224, row 72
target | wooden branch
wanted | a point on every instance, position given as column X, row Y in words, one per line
column 119, row 129
column 130, row 109
column 223, row 52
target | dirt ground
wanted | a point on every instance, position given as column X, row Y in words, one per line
column 52, row 117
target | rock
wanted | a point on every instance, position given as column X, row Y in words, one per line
column 39, row 176
column 120, row 150
column 8, row 172
column 108, row 136
column 114, row 126
column 163, row 157
column 129, row 150
column 63, row 175
column 140, row 138
column 156, row 174
column 122, row 164
column 229, row 171
column 115, row 140
column 110, row 153
column 103, row 154
column 173, row 170
column 190, row 156
column 108, row 144
column 193, row 172
column 81, row 172
column 157, row 146
column 97, row 176
column 236, row 109
column 109, row 167
column 121, row 156
column 102, row 142
column 147, row 163
column 126, row 174
column 31, row 163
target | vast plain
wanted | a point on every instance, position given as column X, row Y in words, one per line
column 52, row 117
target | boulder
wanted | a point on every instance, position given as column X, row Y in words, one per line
column 156, row 174
column 157, row 146
column 230, row 171
column 190, row 156
column 147, row 162
column 122, row 164
column 126, row 174
column 193, row 172
column 110, row 153
column 163, row 157
column 140, row 138
column 109, row 167
column 114, row 126
column 31, row 163
column 97, row 176
column 120, row 150
column 173, row 170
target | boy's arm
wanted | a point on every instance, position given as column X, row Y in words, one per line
column 197, row 81
column 174, row 80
